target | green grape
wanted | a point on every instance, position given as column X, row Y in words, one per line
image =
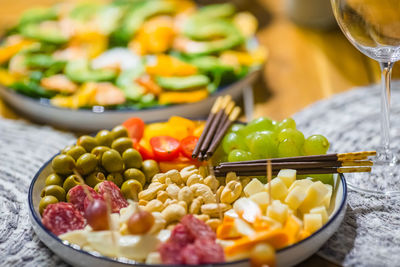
column 296, row 136
column 239, row 155
column 287, row 123
column 288, row 148
column 256, row 125
column 236, row 127
column 324, row 178
column 233, row 141
column 315, row 145
column 263, row 144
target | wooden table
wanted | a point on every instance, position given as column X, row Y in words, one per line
column 304, row 65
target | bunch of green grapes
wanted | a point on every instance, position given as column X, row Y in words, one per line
column 264, row 138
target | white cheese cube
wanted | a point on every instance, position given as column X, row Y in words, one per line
column 261, row 198
column 296, row 197
column 247, row 208
column 305, row 183
column 278, row 212
column 320, row 210
column 278, row 189
column 77, row 237
column 327, row 199
column 137, row 247
column 315, row 195
column 288, row 176
column 243, row 228
column 253, row 187
column 312, row 222
column 154, row 258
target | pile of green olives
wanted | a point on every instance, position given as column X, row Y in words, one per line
column 107, row 156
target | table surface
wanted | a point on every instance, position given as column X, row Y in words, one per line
column 304, row 65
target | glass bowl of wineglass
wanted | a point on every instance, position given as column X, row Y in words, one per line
column 373, row 27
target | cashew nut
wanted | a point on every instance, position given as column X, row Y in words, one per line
column 203, row 171
column 231, row 176
column 219, row 192
column 159, row 177
column 183, row 204
column 142, row 202
column 213, row 223
column 212, row 183
column 196, row 205
column 170, row 202
column 173, row 191
column 159, row 223
column 162, row 196
column 154, row 205
column 202, row 217
column 214, row 209
column 151, row 192
column 185, row 194
column 245, row 180
column 173, row 213
column 188, row 171
column 194, row 179
column 175, row 176
column 231, row 192
column 204, row 191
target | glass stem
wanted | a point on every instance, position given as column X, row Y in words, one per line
column 385, row 153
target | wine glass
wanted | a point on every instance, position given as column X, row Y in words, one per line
column 373, row 27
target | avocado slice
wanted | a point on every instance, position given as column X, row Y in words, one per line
column 47, row 35
column 79, row 71
column 183, row 83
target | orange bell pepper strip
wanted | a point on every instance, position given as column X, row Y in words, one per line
column 178, row 164
column 182, row 97
column 8, row 51
column 292, row 227
column 149, row 85
column 277, row 238
column 181, row 121
column 170, row 66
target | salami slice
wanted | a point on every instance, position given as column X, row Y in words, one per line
column 117, row 199
column 209, row 251
column 198, row 228
column 190, row 255
column 62, row 217
column 170, row 253
column 87, row 200
column 181, row 235
column 77, row 195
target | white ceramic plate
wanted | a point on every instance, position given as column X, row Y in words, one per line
column 288, row 256
column 93, row 120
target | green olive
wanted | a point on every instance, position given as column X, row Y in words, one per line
column 132, row 158
column 150, row 168
column 94, row 178
column 70, row 182
column 116, row 178
column 54, row 179
column 66, row 149
column 86, row 163
column 104, row 138
column 121, row 144
column 63, row 164
column 98, row 151
column 76, row 151
column 87, row 142
column 112, row 161
column 136, row 174
column 119, row 131
column 131, row 188
column 45, row 201
column 54, row 190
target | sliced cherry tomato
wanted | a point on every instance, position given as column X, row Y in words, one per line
column 144, row 149
column 188, row 144
column 165, row 148
column 135, row 127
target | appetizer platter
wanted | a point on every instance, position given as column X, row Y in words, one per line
column 90, row 66
column 187, row 192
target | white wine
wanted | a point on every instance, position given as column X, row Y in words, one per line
column 373, row 26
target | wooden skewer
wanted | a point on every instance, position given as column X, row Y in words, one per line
column 269, row 177
column 82, row 181
column 214, row 125
column 232, row 117
column 215, row 108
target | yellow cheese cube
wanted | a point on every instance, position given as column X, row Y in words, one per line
column 327, row 199
column 315, row 195
column 320, row 210
column 305, row 183
column 296, row 197
column 288, row 176
column 278, row 189
column 261, row 198
column 278, row 212
column 253, row 187
column 312, row 222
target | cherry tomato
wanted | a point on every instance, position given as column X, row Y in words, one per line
column 188, row 144
column 178, row 164
column 135, row 127
column 165, row 148
column 144, row 149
